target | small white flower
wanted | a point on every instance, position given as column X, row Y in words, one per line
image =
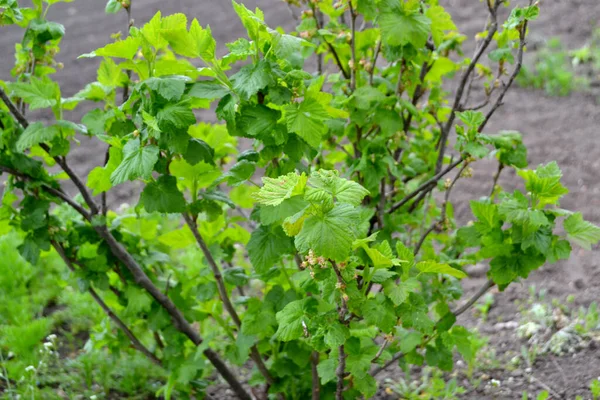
column 51, row 337
column 93, row 397
column 30, row 368
column 48, row 345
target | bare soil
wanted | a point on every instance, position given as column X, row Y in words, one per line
column 563, row 129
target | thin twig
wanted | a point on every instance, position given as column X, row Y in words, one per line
column 496, row 177
column 425, row 186
column 464, row 79
column 483, row 290
column 374, row 61
column 135, row 342
column 340, row 371
column 438, row 225
column 380, row 351
column 254, row 353
column 329, row 45
column 511, row 79
column 353, row 16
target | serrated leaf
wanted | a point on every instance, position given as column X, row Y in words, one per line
column 176, row 116
column 138, row 162
column 400, row 27
column 293, row 319
column 398, row 293
column 441, row 21
column 267, row 246
column 163, row 196
column 275, row 190
column 252, row 78
column 35, row 134
column 38, row 93
column 329, row 234
column 439, row 268
column 584, row 233
column 197, row 151
column 307, row 119
column 208, row 90
column 170, row 88
column 126, row 49
column 325, row 185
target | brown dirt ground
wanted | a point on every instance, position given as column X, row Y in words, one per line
column 561, row 129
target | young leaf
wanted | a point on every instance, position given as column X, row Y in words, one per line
column 275, row 191
column 327, row 185
column 581, row 232
column 438, row 268
column 38, row 93
column 400, row 27
column 398, row 293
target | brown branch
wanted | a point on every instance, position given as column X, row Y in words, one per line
column 62, row 162
column 512, row 77
column 340, row 371
column 483, row 290
column 254, row 353
column 426, row 186
column 53, row 191
column 438, row 225
column 464, row 79
column 496, row 177
column 177, row 316
column 374, row 61
column 329, row 45
column 316, row 386
column 135, row 342
column 353, row 67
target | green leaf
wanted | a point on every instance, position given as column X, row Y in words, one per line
column 441, row 21
column 170, row 88
column 208, row 90
column 163, row 196
column 138, row 162
column 278, row 213
column 239, row 173
column 326, row 369
column 38, row 93
column 581, row 232
column 267, row 246
column 126, row 49
column 324, row 185
column 275, row 191
column 35, row 134
column 544, row 183
column 471, row 118
column 294, row 318
column 99, row 178
column 199, row 151
column 176, row 116
column 112, row 7
column 399, row 27
column 257, row 120
column 307, row 119
column 438, row 268
column 252, row 78
column 336, row 335
column 398, row 293
column 329, row 234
